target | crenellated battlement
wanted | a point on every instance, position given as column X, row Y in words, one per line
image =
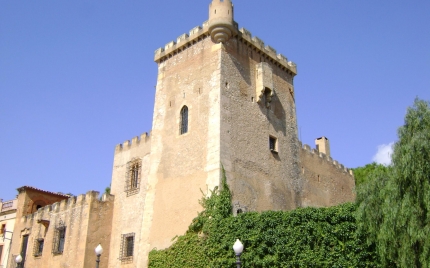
column 135, row 142
column 315, row 153
column 199, row 33
column 67, row 205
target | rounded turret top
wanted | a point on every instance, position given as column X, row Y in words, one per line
column 221, row 20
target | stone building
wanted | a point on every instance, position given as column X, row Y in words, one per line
column 223, row 99
column 56, row 230
column 7, row 223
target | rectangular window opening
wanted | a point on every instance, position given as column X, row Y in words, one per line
column 59, row 240
column 38, row 247
column 273, row 144
column 1, row 252
column 127, row 248
column 23, row 251
column 133, row 175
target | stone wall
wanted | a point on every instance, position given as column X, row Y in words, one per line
column 129, row 203
column 325, row 181
column 182, row 165
column 260, row 179
column 87, row 222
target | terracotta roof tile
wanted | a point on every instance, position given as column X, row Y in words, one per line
column 40, row 190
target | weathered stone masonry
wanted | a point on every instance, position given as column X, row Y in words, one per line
column 241, row 116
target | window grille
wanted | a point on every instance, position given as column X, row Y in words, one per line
column 59, row 238
column 184, row 120
column 127, row 247
column 38, row 247
column 133, row 175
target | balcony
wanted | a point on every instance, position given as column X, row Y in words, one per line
column 8, row 205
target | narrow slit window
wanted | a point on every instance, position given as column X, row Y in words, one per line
column 273, row 144
column 184, row 120
column 23, row 251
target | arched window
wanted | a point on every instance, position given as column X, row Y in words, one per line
column 184, row 120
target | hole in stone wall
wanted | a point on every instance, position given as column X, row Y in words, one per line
column 319, row 178
column 239, row 211
column 252, row 99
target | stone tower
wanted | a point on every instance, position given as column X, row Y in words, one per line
column 223, row 99
column 238, row 96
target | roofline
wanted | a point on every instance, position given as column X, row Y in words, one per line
column 24, row 188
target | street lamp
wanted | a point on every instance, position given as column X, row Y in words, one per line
column 99, row 251
column 238, row 248
column 18, row 260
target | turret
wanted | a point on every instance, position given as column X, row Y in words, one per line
column 221, row 20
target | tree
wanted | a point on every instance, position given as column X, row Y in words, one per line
column 394, row 206
column 363, row 174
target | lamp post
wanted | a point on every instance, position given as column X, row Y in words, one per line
column 238, row 248
column 18, row 260
column 99, row 251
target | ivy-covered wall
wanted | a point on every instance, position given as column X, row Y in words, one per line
column 308, row 237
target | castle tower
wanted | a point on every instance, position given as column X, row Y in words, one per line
column 221, row 20
column 223, row 99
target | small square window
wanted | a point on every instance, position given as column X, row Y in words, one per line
column 273, row 144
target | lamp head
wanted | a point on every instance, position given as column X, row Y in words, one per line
column 99, row 250
column 238, row 247
column 18, row 259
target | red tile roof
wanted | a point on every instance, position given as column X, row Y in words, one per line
column 40, row 190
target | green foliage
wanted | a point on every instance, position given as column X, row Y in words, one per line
column 216, row 207
column 107, row 190
column 394, row 208
column 309, row 237
column 363, row 174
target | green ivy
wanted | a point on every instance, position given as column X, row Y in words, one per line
column 305, row 237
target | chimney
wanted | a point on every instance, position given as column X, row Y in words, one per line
column 323, row 145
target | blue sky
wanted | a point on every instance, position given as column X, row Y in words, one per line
column 78, row 77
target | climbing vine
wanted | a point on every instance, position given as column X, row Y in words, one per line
column 305, row 237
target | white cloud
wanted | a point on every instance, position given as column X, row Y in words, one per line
column 383, row 155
